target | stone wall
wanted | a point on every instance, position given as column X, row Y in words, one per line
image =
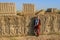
column 7, row 8
column 15, row 25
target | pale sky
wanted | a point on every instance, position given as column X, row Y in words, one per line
column 39, row 4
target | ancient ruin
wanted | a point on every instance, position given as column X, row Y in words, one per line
column 13, row 23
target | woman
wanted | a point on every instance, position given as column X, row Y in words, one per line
column 37, row 25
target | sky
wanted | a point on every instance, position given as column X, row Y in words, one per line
column 39, row 4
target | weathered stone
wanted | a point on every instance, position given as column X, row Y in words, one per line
column 23, row 25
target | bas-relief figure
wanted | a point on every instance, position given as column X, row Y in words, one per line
column 12, row 25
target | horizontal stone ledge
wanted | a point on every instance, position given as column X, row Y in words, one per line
column 41, row 37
